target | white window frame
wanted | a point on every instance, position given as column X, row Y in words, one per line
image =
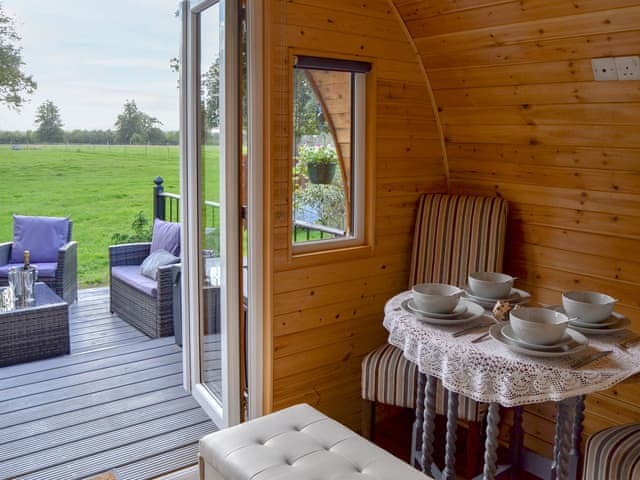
column 359, row 175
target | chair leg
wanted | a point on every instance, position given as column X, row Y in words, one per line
column 473, row 463
column 368, row 419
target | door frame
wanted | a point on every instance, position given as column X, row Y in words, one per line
column 227, row 412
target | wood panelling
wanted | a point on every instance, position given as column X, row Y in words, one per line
column 524, row 119
column 326, row 308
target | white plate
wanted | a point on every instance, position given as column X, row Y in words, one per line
column 581, row 341
column 516, row 296
column 460, row 309
column 621, row 323
column 509, row 334
column 611, row 320
column 472, row 312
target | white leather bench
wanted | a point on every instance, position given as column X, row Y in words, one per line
column 297, row 443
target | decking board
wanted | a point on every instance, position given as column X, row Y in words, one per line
column 116, row 403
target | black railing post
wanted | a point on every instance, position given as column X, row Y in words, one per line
column 158, row 199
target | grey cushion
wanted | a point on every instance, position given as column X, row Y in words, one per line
column 159, row 258
column 166, row 236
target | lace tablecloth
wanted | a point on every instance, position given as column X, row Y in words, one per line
column 489, row 372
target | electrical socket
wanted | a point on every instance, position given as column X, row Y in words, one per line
column 604, row 68
column 628, row 68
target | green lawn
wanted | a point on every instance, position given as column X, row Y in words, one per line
column 100, row 188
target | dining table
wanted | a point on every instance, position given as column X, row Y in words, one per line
column 490, row 371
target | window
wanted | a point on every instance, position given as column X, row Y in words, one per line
column 328, row 171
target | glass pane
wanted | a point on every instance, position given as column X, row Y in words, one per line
column 322, row 153
column 212, row 189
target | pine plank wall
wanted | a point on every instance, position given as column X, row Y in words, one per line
column 521, row 118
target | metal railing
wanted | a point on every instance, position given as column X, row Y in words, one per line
column 166, row 206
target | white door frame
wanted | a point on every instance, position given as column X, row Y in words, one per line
column 227, row 412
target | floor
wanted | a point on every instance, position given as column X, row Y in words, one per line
column 116, row 403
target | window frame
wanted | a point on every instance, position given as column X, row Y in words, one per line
column 361, row 158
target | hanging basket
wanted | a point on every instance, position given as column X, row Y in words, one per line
column 321, row 173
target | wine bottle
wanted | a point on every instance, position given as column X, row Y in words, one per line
column 27, row 256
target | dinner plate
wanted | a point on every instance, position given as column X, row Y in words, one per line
column 460, row 309
column 516, row 296
column 472, row 312
column 580, row 340
column 607, row 322
column 621, row 323
column 509, row 334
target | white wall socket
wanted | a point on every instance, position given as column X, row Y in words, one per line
column 604, row 68
column 628, row 68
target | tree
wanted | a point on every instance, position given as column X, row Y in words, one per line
column 15, row 85
column 49, row 123
column 134, row 126
column 211, row 87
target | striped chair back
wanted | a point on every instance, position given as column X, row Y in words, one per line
column 456, row 235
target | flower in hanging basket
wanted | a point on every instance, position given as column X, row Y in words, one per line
column 321, row 162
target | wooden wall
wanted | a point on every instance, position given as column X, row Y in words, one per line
column 325, row 310
column 523, row 119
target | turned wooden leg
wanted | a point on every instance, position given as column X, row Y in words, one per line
column 517, row 442
column 491, row 444
column 449, row 472
column 429, row 424
column 416, row 431
column 562, row 440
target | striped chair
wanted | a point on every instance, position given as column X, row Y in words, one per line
column 454, row 236
column 613, row 454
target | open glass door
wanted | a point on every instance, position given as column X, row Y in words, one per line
column 212, row 139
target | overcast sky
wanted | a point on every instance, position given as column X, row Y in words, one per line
column 89, row 56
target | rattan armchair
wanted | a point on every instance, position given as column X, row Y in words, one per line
column 152, row 314
column 61, row 276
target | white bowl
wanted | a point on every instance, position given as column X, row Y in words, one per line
column 538, row 325
column 491, row 284
column 589, row 307
column 436, row 297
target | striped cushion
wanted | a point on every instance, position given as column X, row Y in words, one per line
column 391, row 379
column 613, row 454
column 456, row 235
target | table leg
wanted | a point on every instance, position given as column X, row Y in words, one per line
column 449, row 472
column 491, row 444
column 517, row 440
column 416, row 432
column 562, row 440
column 576, row 437
column 429, row 424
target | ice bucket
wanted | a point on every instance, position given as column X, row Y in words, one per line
column 21, row 280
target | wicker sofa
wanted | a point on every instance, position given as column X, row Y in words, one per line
column 53, row 253
column 145, row 303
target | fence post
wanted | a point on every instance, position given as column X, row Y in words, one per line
column 158, row 199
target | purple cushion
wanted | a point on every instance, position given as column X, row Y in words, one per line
column 130, row 274
column 42, row 236
column 45, row 270
column 166, row 236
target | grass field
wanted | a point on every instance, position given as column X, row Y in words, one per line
column 100, row 188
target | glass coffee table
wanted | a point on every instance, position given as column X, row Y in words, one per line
column 37, row 331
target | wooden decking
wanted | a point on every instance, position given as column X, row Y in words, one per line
column 116, row 403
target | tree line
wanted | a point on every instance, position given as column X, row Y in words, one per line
column 132, row 127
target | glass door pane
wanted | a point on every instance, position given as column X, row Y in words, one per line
column 212, row 189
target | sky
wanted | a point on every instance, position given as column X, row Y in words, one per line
column 90, row 56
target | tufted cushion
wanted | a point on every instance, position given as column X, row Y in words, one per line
column 166, row 236
column 391, row 379
column 613, row 454
column 42, row 236
column 298, row 443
